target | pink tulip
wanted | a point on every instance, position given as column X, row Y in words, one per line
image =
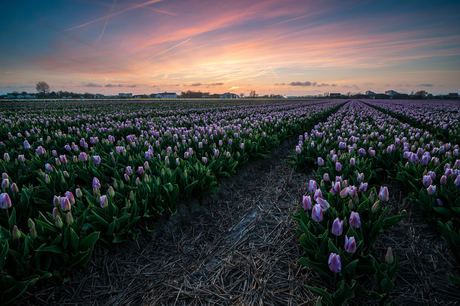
column 334, row 263
column 317, row 213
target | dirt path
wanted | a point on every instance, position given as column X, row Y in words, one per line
column 239, row 247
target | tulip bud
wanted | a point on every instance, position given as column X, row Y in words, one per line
column 457, row 181
column 30, row 223
column 350, row 245
column 65, row 204
column 5, row 183
column 363, row 187
column 439, row 202
column 334, row 263
column 337, row 227
column 389, row 258
column 318, row 194
column 78, row 193
column 427, row 181
column 375, row 208
column 320, row 162
column 55, row 212
column 344, row 192
column 317, row 213
column 47, row 179
column 352, row 161
column 33, row 232
column 96, row 182
column 16, row 232
column 350, row 204
column 59, row 222
column 338, row 166
column 111, row 192
column 131, row 196
column 326, row 177
column 69, row 218
column 70, row 196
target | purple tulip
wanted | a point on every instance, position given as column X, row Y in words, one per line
column 354, row 220
column 344, row 192
column 26, row 144
column 337, row 227
column 338, row 166
column 48, row 168
column 70, row 196
column 306, row 202
column 334, row 263
column 432, row 175
column 104, row 201
column 5, row 201
column 320, row 162
column 335, row 188
column 323, row 203
column 318, row 194
column 443, row 180
column 363, row 187
column 326, row 177
column 360, row 177
column 317, row 213
column 431, row 189
column 352, row 161
column 83, row 157
column 204, row 160
column 312, row 186
column 427, row 181
column 96, row 182
column 457, row 181
column 362, row 152
column 439, row 202
column 128, row 170
column 65, row 204
column 97, row 159
column 140, row 170
column 383, row 194
column 350, row 245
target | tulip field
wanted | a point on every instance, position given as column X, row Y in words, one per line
column 76, row 175
column 343, row 215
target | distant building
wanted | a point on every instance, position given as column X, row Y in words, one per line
column 391, row 93
column 334, row 95
column 125, row 95
column 453, row 95
column 370, row 93
column 229, row 95
column 21, row 95
column 166, row 95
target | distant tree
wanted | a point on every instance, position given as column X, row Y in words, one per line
column 326, row 94
column 24, row 93
column 42, row 88
column 253, row 94
column 242, row 95
column 348, row 93
column 420, row 94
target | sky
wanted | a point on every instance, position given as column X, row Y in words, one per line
column 289, row 47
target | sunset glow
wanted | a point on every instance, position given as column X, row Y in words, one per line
column 287, row 47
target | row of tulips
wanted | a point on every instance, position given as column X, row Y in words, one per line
column 350, row 152
column 433, row 184
column 106, row 179
column 439, row 118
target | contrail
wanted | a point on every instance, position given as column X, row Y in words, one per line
column 103, row 30
column 69, row 36
column 167, row 50
column 114, row 14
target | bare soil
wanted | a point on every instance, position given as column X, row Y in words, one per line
column 239, row 247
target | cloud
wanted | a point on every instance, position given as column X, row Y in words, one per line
column 117, row 85
column 197, row 84
column 92, row 85
column 216, row 84
column 300, row 84
column 426, row 85
column 131, row 86
column 368, row 84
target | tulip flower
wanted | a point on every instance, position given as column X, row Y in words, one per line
column 354, row 220
column 443, row 180
column 334, row 263
column 338, row 166
column 326, row 177
column 320, row 162
column 344, row 192
column 427, row 181
column 318, row 194
column 97, row 160
column 431, row 189
column 5, row 201
column 439, row 202
column 352, row 161
column 104, row 201
column 383, row 194
column 69, row 218
column 26, row 144
column 323, row 203
column 457, row 181
column 48, row 168
column 317, row 213
column 363, row 187
column 16, row 232
column 335, row 188
column 96, row 182
column 337, row 227
column 21, row 158
column 362, row 152
column 65, row 204
column 5, row 183
column 350, row 245
column 432, row 175
column 306, row 202
column 312, row 186
column 204, row 160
